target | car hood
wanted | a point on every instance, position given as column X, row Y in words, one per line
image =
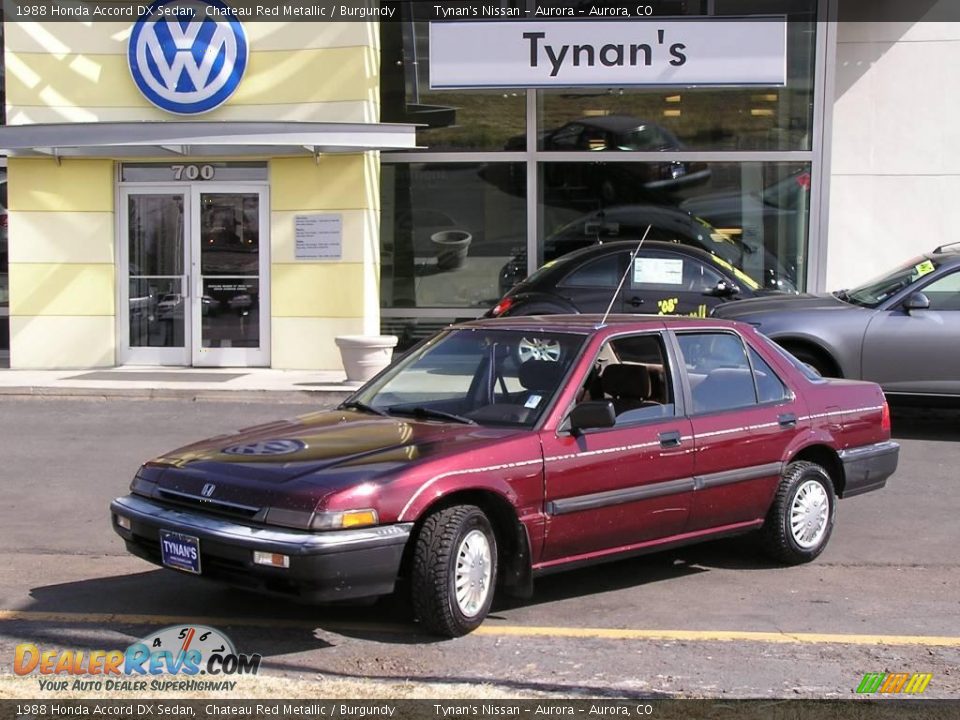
column 780, row 302
column 295, row 464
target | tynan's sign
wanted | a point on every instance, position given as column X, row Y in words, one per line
column 617, row 54
column 187, row 56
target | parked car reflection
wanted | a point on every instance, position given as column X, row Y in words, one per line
column 616, row 182
column 625, row 222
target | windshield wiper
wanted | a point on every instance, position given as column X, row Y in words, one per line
column 425, row 412
column 363, row 407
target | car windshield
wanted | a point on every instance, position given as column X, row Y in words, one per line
column 476, row 376
column 886, row 286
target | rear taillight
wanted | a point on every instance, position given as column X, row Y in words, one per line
column 501, row 307
column 885, row 418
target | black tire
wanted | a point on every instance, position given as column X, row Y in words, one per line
column 433, row 575
column 777, row 535
column 818, row 361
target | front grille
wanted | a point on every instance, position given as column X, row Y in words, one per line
column 216, row 507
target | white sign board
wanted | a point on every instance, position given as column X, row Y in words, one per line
column 611, row 54
column 318, row 237
column 658, row 271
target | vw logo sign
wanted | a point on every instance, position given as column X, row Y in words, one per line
column 187, row 57
column 266, row 447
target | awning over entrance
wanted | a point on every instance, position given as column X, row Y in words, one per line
column 202, row 139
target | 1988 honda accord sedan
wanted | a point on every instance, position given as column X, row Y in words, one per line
column 503, row 449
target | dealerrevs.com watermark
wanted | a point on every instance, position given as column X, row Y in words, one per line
column 179, row 658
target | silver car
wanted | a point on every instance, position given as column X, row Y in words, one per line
column 901, row 330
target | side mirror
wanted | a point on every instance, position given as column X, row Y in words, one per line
column 592, row 414
column 916, row 301
column 723, row 289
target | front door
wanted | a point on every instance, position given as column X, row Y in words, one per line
column 230, row 315
column 196, row 276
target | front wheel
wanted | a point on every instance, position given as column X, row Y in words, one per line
column 800, row 520
column 454, row 570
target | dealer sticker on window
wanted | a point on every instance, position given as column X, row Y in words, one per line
column 924, row 268
column 532, row 401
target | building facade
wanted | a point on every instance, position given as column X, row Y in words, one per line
column 335, row 186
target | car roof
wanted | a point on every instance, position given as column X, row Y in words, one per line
column 589, row 324
column 612, row 246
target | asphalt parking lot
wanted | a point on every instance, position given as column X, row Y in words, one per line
column 710, row 620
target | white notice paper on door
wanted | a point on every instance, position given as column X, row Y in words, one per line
column 658, row 271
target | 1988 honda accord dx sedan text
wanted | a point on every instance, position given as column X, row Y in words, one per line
column 503, row 449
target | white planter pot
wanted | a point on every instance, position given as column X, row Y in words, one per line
column 365, row 355
column 451, row 247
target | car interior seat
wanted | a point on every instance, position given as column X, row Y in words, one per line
column 724, row 388
column 629, row 386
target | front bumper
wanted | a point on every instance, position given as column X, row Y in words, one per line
column 867, row 468
column 324, row 566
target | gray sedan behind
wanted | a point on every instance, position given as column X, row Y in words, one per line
column 901, row 330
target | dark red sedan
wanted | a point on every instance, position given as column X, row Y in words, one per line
column 504, row 449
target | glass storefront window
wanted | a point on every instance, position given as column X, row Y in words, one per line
column 446, row 232
column 665, row 119
column 454, row 120
column 753, row 215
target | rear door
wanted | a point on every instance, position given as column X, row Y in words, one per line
column 616, row 488
column 743, row 416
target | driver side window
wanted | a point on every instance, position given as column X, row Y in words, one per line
column 944, row 294
column 632, row 373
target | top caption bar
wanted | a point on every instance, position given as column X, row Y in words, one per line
column 425, row 10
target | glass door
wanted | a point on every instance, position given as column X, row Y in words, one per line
column 230, row 312
column 155, row 297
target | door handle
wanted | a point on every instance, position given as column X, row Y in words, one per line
column 635, row 301
column 669, row 439
column 787, row 420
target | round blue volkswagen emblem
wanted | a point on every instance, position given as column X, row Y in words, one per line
column 187, row 56
column 266, row 447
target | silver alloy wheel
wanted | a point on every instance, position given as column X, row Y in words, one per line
column 809, row 513
column 473, row 572
column 538, row 349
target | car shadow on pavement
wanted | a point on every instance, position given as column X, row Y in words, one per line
column 925, row 423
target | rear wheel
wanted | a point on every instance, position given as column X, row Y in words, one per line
column 454, row 570
column 800, row 520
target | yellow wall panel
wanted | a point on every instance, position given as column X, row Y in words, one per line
column 308, row 343
column 271, row 77
column 317, row 290
column 62, row 342
column 74, row 185
column 67, row 237
column 336, row 182
column 61, row 289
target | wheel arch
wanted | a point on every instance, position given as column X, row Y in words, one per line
column 791, row 343
column 513, row 541
column 827, row 458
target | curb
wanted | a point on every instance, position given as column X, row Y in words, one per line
column 312, row 397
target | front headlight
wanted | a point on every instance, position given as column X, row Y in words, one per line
column 345, row 519
column 142, row 483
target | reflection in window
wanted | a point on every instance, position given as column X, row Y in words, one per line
column 447, row 232
column 729, row 214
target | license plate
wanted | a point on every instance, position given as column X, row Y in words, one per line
column 180, row 552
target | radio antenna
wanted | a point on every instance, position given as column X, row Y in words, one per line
column 623, row 279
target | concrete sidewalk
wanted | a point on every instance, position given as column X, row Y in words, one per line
column 241, row 384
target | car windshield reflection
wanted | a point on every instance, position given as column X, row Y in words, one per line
column 886, row 286
column 475, row 376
